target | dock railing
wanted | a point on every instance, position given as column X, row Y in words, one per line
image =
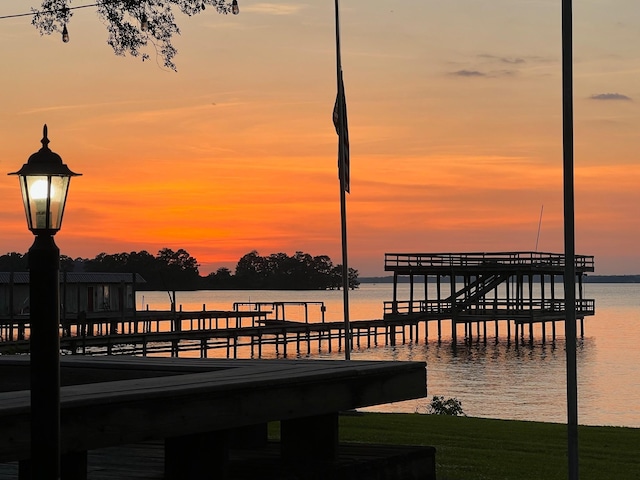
column 394, row 261
column 279, row 309
column 503, row 306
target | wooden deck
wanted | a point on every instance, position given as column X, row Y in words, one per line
column 194, row 406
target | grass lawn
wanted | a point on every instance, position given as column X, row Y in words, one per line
column 476, row 448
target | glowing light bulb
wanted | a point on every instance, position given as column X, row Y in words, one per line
column 234, row 7
column 40, row 190
column 65, row 35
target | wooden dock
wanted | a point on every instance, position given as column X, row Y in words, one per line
column 189, row 418
column 516, row 290
column 283, row 338
column 519, row 288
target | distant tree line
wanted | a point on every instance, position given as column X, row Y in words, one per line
column 280, row 271
column 178, row 270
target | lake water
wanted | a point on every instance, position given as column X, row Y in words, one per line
column 496, row 378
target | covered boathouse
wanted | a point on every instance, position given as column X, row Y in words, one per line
column 522, row 288
column 79, row 292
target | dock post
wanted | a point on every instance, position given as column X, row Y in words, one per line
column 454, row 331
column 285, row 340
column 531, row 331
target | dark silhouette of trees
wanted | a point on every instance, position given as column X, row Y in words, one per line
column 14, row 262
column 168, row 270
column 177, row 270
column 279, row 271
column 131, row 25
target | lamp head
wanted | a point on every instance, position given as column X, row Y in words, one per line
column 44, row 181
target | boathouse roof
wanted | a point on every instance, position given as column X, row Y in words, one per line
column 101, row 278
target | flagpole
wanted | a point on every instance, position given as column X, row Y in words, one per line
column 569, row 240
column 343, row 199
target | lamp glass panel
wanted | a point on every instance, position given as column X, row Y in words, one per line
column 44, row 197
column 59, row 189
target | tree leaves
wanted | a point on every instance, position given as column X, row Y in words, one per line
column 133, row 26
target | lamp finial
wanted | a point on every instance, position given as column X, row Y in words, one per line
column 45, row 140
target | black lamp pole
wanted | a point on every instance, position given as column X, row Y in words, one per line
column 44, row 181
column 44, row 294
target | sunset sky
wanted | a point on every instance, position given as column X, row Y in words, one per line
column 454, row 124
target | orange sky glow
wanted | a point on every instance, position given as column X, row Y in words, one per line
column 455, row 126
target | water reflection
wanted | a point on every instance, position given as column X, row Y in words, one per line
column 494, row 378
column 501, row 379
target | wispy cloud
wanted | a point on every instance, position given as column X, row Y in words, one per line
column 509, row 60
column 273, row 8
column 610, row 96
column 468, row 73
column 479, row 74
column 80, row 106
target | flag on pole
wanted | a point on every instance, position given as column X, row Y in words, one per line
column 340, row 122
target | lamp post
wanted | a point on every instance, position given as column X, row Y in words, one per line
column 44, row 181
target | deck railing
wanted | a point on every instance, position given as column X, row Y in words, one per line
column 445, row 307
column 393, row 261
column 280, row 309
